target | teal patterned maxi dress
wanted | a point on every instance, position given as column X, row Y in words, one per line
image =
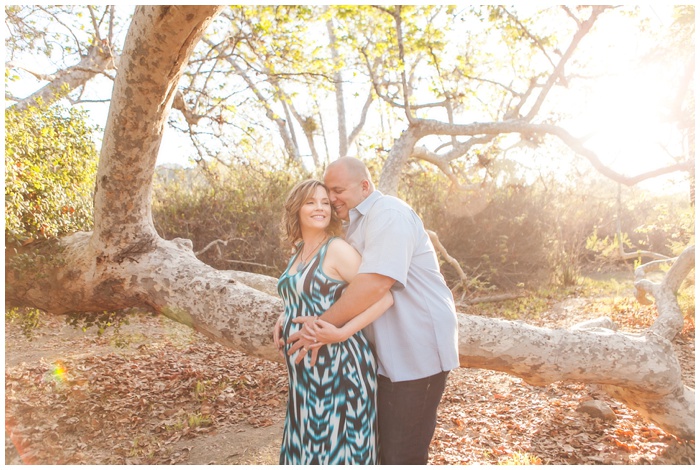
column 331, row 411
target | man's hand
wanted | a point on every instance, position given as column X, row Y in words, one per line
column 303, row 340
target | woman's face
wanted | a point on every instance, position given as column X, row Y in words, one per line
column 315, row 212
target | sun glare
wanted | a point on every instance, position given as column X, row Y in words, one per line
column 626, row 125
column 624, row 114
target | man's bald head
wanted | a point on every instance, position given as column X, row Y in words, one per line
column 349, row 183
column 353, row 167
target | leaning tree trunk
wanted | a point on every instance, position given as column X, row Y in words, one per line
column 124, row 263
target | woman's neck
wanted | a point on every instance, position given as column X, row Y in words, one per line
column 313, row 237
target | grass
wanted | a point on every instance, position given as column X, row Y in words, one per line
column 521, row 458
column 196, row 420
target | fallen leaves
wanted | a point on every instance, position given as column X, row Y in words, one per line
column 492, row 418
column 130, row 407
column 149, row 403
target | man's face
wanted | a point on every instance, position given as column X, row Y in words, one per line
column 345, row 190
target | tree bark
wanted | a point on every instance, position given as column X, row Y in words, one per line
column 124, row 263
column 398, row 156
column 640, row 370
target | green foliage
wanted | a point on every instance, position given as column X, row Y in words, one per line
column 525, row 307
column 196, row 420
column 46, row 253
column 565, row 265
column 669, row 227
column 50, row 164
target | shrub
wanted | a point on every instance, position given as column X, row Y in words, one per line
column 50, row 165
column 241, row 205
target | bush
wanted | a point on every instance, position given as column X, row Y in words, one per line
column 50, row 166
column 513, row 236
column 241, row 205
column 532, row 234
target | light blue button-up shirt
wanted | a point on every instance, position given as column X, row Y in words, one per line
column 417, row 336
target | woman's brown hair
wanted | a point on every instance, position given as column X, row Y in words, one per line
column 296, row 198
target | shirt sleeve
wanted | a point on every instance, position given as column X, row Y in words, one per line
column 389, row 244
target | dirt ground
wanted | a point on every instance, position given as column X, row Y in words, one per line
column 238, row 441
column 158, row 393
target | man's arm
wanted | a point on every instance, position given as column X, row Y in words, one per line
column 323, row 333
column 327, row 333
column 361, row 293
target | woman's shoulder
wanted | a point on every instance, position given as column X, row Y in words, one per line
column 337, row 247
column 338, row 243
column 342, row 260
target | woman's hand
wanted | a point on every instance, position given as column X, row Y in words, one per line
column 313, row 334
column 277, row 335
column 303, row 340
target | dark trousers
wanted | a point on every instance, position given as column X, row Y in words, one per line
column 407, row 415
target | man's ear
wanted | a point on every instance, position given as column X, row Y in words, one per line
column 365, row 187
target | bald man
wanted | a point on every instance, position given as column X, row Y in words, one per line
column 416, row 339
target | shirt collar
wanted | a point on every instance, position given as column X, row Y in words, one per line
column 364, row 207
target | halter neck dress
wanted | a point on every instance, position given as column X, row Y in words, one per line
column 331, row 410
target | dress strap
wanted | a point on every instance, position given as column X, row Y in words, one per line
column 323, row 250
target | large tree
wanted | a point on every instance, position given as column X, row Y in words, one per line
column 124, row 263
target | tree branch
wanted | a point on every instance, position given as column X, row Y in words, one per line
column 450, row 260
column 558, row 72
column 425, row 127
column 98, row 60
column 284, row 131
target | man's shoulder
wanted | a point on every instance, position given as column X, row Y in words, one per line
column 389, row 213
column 386, row 201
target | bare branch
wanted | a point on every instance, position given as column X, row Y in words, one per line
column 363, row 118
column 95, row 26
column 249, row 263
column 450, row 260
column 190, row 116
column 212, row 244
column 424, row 127
column 558, row 73
column 527, row 33
column 670, row 320
column 284, row 131
column 36, row 74
column 58, row 20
